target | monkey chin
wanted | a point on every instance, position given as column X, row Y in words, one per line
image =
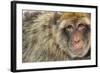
column 78, row 52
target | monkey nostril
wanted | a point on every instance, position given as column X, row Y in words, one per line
column 76, row 41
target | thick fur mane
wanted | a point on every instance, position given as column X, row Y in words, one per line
column 39, row 43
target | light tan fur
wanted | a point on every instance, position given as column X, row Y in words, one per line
column 39, row 39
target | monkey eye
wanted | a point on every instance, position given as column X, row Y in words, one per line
column 81, row 26
column 69, row 28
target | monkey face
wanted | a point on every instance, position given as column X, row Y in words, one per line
column 74, row 36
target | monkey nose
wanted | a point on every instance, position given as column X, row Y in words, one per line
column 76, row 41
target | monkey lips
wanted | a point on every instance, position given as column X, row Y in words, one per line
column 77, row 46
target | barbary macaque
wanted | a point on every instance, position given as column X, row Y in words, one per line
column 57, row 36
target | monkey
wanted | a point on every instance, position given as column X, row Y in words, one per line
column 56, row 36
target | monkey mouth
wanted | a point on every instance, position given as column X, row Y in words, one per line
column 77, row 47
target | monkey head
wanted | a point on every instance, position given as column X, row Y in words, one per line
column 73, row 33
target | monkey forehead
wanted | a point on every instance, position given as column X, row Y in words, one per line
column 84, row 20
column 75, row 21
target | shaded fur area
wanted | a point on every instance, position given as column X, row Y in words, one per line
column 39, row 42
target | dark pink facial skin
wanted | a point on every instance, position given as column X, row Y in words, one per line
column 76, row 41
